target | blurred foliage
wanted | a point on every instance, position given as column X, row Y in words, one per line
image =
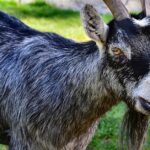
column 67, row 23
column 48, row 18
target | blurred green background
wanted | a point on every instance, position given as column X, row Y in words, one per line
column 45, row 17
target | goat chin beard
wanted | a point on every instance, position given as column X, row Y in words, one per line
column 141, row 109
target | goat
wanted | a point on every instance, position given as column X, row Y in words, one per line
column 54, row 90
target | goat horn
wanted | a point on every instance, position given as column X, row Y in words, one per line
column 146, row 6
column 118, row 9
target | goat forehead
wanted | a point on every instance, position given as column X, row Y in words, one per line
column 126, row 26
column 130, row 28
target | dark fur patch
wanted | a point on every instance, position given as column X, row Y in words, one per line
column 125, row 25
column 139, row 16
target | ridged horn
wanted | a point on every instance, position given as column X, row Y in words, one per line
column 118, row 9
column 146, row 6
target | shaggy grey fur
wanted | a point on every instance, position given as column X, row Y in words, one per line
column 53, row 90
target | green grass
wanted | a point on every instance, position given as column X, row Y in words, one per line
column 47, row 18
column 67, row 23
column 106, row 137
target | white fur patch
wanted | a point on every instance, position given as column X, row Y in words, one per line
column 142, row 23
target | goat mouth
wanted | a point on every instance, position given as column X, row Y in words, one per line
column 145, row 104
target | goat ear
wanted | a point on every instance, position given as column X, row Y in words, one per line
column 93, row 24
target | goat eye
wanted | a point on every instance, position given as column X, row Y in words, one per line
column 117, row 51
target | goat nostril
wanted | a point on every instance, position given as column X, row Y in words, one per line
column 143, row 99
column 144, row 103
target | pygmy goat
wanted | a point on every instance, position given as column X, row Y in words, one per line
column 54, row 90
